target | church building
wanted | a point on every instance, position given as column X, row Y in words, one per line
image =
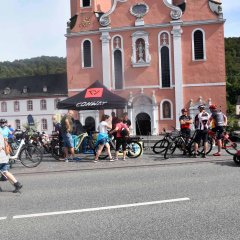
column 160, row 55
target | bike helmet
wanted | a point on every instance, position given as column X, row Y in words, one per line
column 213, row 107
column 2, row 121
column 201, row 106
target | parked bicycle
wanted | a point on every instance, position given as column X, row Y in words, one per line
column 28, row 154
column 133, row 150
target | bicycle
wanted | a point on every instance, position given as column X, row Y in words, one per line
column 229, row 146
column 186, row 145
column 28, row 154
column 133, row 150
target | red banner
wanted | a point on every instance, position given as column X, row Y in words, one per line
column 94, row 93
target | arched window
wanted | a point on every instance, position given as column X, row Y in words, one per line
column 44, row 124
column 4, row 107
column 43, row 104
column 87, row 54
column 29, row 105
column 198, row 42
column 16, row 106
column 165, row 59
column 85, row 3
column 117, row 46
column 166, row 109
column 17, row 124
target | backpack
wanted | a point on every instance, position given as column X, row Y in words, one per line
column 124, row 132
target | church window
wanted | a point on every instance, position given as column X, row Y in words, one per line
column 140, row 49
column 85, row 3
column 164, row 59
column 118, row 62
column 87, row 54
column 198, row 43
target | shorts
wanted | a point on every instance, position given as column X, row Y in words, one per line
column 121, row 142
column 102, row 141
column 67, row 140
column 186, row 132
column 4, row 167
column 201, row 135
column 218, row 131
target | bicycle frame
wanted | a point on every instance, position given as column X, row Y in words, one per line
column 15, row 157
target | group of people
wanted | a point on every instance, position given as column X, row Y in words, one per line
column 6, row 134
column 119, row 128
column 202, row 122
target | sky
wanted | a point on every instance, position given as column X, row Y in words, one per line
column 33, row 28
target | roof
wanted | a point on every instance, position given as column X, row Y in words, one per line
column 34, row 86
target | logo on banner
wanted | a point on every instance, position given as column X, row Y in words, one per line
column 94, row 93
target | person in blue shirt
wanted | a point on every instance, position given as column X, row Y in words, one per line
column 5, row 129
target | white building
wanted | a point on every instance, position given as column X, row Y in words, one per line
column 34, row 95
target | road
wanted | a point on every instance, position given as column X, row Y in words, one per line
column 186, row 201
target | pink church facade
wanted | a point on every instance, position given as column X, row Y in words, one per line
column 160, row 56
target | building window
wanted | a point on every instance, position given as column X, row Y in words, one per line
column 43, row 104
column 164, row 59
column 85, row 3
column 4, row 107
column 17, row 124
column 87, row 54
column 56, row 101
column 198, row 44
column 117, row 47
column 166, row 109
column 29, row 105
column 140, row 49
column 16, row 106
column 44, row 124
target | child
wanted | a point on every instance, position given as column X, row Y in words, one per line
column 4, row 166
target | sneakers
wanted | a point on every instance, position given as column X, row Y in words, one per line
column 203, row 155
column 124, row 159
column 95, row 161
column 77, row 159
column 217, row 154
column 17, row 186
column 195, row 155
column 66, row 160
column 111, row 160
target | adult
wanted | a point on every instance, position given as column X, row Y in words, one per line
column 185, row 123
column 122, row 131
column 66, row 131
column 5, row 129
column 201, row 122
column 114, row 123
column 126, row 120
column 4, row 166
column 102, row 139
column 218, row 120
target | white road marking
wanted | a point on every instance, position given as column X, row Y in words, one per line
column 3, row 218
column 100, row 208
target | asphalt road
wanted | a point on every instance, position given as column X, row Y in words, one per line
column 187, row 201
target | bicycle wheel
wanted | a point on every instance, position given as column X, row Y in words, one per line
column 170, row 150
column 30, row 156
column 160, row 146
column 134, row 149
column 231, row 147
column 201, row 147
column 56, row 150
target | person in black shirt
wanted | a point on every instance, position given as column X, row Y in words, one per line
column 185, row 123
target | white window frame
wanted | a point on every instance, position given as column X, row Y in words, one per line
column 82, row 53
column 135, row 36
column 4, row 106
column 17, row 124
column 161, row 109
column 29, row 103
column 81, row 4
column 43, row 104
column 16, row 106
column 204, row 45
column 160, row 60
column 113, row 63
column 44, row 124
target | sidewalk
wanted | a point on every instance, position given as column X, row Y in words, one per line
column 86, row 163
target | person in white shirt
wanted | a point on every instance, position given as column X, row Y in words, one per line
column 102, row 140
column 201, row 122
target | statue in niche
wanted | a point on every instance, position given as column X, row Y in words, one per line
column 140, row 51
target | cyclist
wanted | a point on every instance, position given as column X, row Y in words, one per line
column 219, row 120
column 201, row 122
column 185, row 122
